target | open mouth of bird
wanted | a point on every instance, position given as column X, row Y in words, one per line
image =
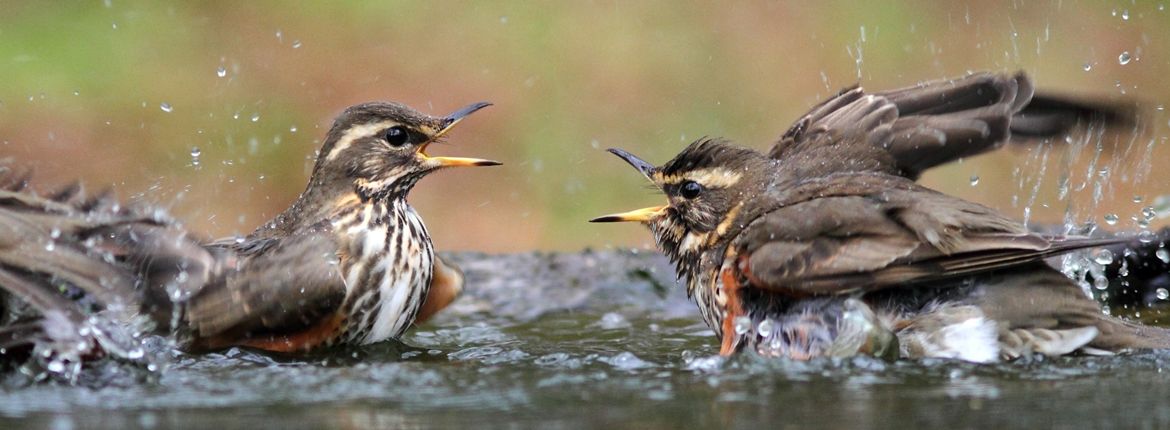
column 446, row 125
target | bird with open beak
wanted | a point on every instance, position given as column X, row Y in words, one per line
column 827, row 247
column 349, row 262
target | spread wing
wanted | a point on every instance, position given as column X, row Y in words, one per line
column 940, row 121
column 277, row 286
column 847, row 243
column 70, row 256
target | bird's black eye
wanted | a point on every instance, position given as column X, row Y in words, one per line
column 690, row 189
column 397, row 136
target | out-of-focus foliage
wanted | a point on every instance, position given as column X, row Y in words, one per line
column 121, row 93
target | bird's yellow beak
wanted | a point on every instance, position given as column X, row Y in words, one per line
column 640, row 215
column 456, row 161
column 445, row 125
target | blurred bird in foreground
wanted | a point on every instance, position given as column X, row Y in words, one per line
column 350, row 262
column 826, row 246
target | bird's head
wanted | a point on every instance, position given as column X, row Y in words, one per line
column 706, row 187
column 380, row 148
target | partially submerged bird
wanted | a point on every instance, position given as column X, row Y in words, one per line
column 827, row 247
column 350, row 262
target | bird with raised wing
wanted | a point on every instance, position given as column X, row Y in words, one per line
column 349, row 262
column 827, row 246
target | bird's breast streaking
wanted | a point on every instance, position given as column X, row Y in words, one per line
column 389, row 268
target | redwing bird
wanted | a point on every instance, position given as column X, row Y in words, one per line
column 827, row 246
column 350, row 262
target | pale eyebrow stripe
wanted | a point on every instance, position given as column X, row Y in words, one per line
column 357, row 132
column 709, row 177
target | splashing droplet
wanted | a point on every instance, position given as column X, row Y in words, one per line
column 765, row 328
column 296, row 44
column 1123, row 58
column 221, row 72
column 1125, row 15
column 292, row 129
column 1162, row 293
column 1087, row 67
column 56, row 366
column 742, row 325
column 1101, row 283
column 256, row 117
column 1163, row 255
column 1103, row 257
column 166, row 107
column 1149, row 213
column 974, row 180
column 1111, row 219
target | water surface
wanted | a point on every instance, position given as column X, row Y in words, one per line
column 566, row 345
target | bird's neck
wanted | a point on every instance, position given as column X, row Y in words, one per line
column 321, row 203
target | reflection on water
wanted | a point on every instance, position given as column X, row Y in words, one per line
column 625, row 352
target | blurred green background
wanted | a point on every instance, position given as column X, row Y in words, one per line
column 122, row 93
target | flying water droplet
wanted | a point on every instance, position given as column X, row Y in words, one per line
column 256, row 117
column 292, row 129
column 1087, row 67
column 742, row 325
column 1101, row 283
column 296, row 44
column 974, row 180
column 1162, row 293
column 56, row 366
column 135, row 353
column 1111, row 219
column 221, row 72
column 1146, row 236
column 1149, row 213
column 1125, row 15
column 1163, row 255
column 1103, row 257
column 1123, row 58
column 765, row 328
column 166, row 107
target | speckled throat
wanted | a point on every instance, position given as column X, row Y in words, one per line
column 702, row 280
column 387, row 263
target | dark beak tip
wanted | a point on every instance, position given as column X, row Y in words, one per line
column 606, row 218
column 644, row 167
column 465, row 111
column 487, row 163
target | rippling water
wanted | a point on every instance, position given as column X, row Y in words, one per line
column 567, row 345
